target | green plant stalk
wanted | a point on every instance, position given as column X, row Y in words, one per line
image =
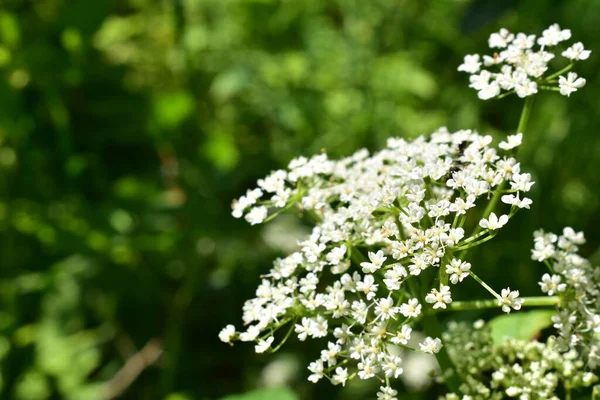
column 538, row 301
column 431, row 327
column 523, row 120
column 485, row 285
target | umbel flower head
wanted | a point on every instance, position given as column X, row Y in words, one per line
column 516, row 66
column 388, row 227
column 577, row 283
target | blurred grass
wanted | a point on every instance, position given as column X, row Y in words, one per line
column 126, row 128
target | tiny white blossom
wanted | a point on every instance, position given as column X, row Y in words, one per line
column 257, row 215
column 263, row 345
column 317, row 369
column 515, row 201
column 458, row 270
column 387, row 393
column 376, row 259
column 554, row 35
column 500, row 39
column 367, row 286
column 340, row 377
column 471, row 64
column 440, row 298
column 403, row 335
column 570, row 84
column 576, row 52
column 412, row 308
column 227, row 333
column 512, row 141
column 552, row 284
column 510, row 299
column 493, row 222
column 526, row 88
column 430, row 345
column 385, row 309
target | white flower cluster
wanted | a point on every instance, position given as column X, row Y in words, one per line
column 577, row 283
column 512, row 369
column 387, row 228
column 517, row 67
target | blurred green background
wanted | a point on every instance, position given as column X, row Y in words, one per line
column 128, row 126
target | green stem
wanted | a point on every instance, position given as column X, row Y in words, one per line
column 287, row 335
column 477, row 243
column 485, row 285
column 432, row 328
column 499, row 190
column 539, row 301
column 562, row 71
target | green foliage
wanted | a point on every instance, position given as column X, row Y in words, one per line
column 526, row 325
column 126, row 128
column 264, row 394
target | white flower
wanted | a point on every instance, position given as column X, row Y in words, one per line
column 317, row 370
column 377, row 260
column 576, row 52
column 493, row 222
column 458, row 269
column 552, row 284
column 489, row 91
column 471, row 64
column 385, row 309
column 512, row 141
column 430, row 345
column 227, row 333
column 515, row 201
column 250, row 335
column 526, row 88
column 336, row 255
column 392, row 366
column 570, row 84
column 257, row 215
column 403, row 335
column 510, row 299
column 263, row 345
column 500, row 39
column 367, row 286
column 554, row 35
column 440, row 298
column 340, row 376
column 411, row 309
column 386, row 393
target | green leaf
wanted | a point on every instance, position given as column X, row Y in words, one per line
column 264, row 394
column 520, row 325
column 171, row 109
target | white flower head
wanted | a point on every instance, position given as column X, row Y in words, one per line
column 518, row 66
